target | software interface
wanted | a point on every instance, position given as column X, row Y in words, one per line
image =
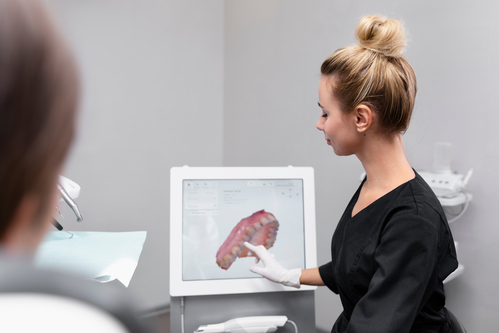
column 218, row 215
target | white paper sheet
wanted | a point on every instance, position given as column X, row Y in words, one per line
column 103, row 256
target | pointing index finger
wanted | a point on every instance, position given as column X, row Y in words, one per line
column 253, row 248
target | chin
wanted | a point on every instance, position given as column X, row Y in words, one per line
column 342, row 152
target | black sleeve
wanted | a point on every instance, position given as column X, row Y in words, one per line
column 327, row 276
column 405, row 258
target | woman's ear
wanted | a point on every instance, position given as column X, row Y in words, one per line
column 363, row 118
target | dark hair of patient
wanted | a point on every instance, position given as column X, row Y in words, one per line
column 38, row 100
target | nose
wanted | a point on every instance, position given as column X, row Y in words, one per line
column 320, row 125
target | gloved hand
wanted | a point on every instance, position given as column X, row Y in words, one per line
column 273, row 270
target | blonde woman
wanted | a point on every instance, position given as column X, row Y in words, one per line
column 392, row 247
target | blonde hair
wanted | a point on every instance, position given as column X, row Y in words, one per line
column 375, row 73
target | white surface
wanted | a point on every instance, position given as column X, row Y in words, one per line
column 456, row 200
column 443, row 184
column 442, row 155
column 103, row 256
column 256, row 324
column 459, row 270
column 30, row 312
column 179, row 287
column 70, row 186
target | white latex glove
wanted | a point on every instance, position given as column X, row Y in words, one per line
column 272, row 270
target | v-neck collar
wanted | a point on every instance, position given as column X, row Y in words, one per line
column 375, row 202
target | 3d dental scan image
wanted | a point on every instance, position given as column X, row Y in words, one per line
column 258, row 229
column 220, row 215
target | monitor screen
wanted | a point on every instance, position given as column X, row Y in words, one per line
column 213, row 211
column 220, row 215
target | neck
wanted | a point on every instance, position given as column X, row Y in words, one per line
column 385, row 162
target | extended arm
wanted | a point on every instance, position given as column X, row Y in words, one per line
column 273, row 271
column 311, row 277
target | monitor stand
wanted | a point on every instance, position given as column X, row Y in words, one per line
column 298, row 306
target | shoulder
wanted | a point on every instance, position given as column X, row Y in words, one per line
column 19, row 276
column 416, row 219
column 415, row 198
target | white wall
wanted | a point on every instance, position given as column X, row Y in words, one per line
column 152, row 99
column 273, row 53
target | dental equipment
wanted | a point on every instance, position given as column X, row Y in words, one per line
column 65, row 196
column 74, row 190
column 258, row 324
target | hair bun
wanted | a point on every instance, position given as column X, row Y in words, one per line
column 381, row 35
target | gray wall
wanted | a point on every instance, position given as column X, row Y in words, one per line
column 235, row 83
column 273, row 52
column 152, row 99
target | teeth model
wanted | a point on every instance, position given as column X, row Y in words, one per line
column 257, row 229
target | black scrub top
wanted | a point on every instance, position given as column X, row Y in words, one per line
column 389, row 261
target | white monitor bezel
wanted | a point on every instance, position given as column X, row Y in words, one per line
column 178, row 287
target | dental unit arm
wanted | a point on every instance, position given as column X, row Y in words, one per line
column 259, row 324
column 67, row 183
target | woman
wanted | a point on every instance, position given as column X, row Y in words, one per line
column 392, row 247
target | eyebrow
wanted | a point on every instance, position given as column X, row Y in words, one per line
column 319, row 105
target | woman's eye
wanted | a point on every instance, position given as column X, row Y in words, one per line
column 324, row 115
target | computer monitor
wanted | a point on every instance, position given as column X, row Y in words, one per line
column 213, row 210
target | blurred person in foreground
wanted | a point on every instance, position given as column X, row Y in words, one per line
column 39, row 92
